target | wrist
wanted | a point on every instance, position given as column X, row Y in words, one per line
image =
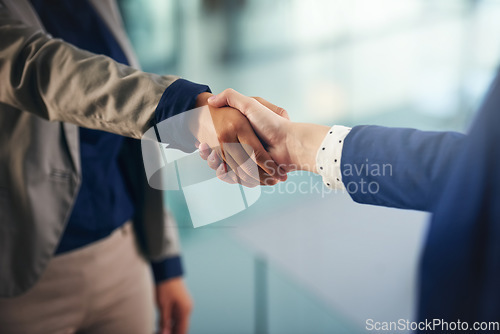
column 303, row 142
column 200, row 120
column 201, row 99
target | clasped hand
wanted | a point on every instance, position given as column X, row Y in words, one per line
column 279, row 145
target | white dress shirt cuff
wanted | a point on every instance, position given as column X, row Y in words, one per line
column 329, row 156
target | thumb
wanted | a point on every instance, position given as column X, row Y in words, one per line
column 264, row 122
column 274, row 108
column 234, row 99
column 257, row 113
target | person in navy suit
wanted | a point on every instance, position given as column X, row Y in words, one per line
column 454, row 176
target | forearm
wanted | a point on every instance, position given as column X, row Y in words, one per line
column 406, row 168
column 59, row 82
column 394, row 167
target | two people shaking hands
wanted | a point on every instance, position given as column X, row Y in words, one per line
column 72, row 101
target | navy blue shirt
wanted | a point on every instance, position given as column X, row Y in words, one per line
column 103, row 202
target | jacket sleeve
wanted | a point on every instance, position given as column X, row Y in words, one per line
column 155, row 227
column 398, row 167
column 59, row 82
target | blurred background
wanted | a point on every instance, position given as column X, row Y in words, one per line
column 302, row 259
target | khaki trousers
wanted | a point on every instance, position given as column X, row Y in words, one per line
column 104, row 288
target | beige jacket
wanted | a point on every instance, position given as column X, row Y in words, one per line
column 49, row 88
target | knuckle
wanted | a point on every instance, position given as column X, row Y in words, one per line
column 236, row 125
column 249, row 181
column 260, row 156
column 269, row 181
column 213, row 165
column 225, row 177
column 280, row 111
column 249, row 105
column 225, row 136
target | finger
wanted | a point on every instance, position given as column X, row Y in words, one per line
column 240, row 163
column 261, row 157
column 274, row 108
column 232, row 98
column 232, row 178
column 166, row 319
column 235, row 156
column 205, row 151
column 247, row 169
column 258, row 114
column 228, row 177
column 266, row 179
column 213, row 160
column 181, row 321
column 229, row 169
column 220, row 155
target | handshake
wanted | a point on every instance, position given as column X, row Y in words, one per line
column 245, row 132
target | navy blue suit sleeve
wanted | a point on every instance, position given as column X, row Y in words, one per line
column 166, row 269
column 398, row 167
column 179, row 97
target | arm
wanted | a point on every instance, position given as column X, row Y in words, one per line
column 408, row 167
column 416, row 162
column 59, row 82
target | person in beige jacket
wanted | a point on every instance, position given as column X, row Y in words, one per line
column 78, row 220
